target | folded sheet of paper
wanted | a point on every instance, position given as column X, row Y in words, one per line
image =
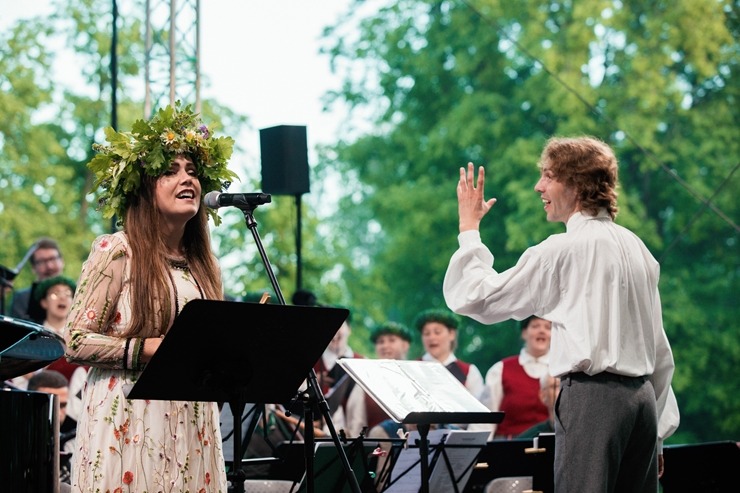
column 401, row 387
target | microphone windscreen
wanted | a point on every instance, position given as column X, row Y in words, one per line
column 211, row 199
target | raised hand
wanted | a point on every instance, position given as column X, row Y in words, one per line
column 471, row 204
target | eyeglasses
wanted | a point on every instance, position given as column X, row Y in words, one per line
column 49, row 260
column 61, row 295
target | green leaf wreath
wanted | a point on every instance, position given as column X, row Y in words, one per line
column 150, row 148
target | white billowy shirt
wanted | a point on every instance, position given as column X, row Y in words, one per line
column 598, row 285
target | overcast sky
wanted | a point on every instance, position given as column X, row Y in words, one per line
column 260, row 58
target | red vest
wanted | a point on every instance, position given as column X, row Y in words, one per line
column 521, row 401
column 64, row 367
column 460, row 370
column 375, row 413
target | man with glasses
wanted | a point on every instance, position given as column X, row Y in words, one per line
column 46, row 262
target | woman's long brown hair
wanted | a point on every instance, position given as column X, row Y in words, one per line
column 151, row 299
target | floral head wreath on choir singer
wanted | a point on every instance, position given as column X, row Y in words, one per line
column 149, row 149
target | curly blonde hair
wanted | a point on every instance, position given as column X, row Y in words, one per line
column 588, row 165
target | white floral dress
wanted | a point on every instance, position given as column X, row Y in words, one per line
column 133, row 445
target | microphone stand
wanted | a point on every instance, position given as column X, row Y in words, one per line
column 4, row 284
column 7, row 275
column 313, row 390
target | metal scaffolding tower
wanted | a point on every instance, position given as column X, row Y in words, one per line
column 172, row 56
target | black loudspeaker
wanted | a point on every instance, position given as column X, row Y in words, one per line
column 284, row 160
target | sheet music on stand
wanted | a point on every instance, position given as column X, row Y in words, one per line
column 452, row 462
column 403, row 387
column 424, row 393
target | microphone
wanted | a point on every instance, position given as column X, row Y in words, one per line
column 215, row 199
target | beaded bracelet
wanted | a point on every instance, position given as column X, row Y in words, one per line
column 125, row 353
column 137, row 355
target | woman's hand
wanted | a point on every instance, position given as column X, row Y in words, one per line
column 151, row 344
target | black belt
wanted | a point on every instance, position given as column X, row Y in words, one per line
column 604, row 376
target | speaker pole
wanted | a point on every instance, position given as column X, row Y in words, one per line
column 299, row 264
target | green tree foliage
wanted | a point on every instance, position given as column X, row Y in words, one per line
column 50, row 123
column 44, row 151
column 37, row 182
column 488, row 81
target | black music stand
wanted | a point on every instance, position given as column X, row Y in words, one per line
column 423, row 422
column 502, row 458
column 225, row 351
column 709, row 467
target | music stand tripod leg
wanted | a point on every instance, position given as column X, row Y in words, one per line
column 308, row 439
column 315, row 395
column 423, row 429
column 237, row 476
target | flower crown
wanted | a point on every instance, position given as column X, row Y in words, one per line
column 150, row 148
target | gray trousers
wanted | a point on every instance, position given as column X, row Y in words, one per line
column 606, row 432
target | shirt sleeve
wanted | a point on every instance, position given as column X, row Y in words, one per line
column 472, row 287
column 667, row 407
column 88, row 333
column 494, row 389
column 474, row 381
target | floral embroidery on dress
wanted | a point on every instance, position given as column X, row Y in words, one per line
column 104, row 245
column 133, row 445
column 90, row 316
